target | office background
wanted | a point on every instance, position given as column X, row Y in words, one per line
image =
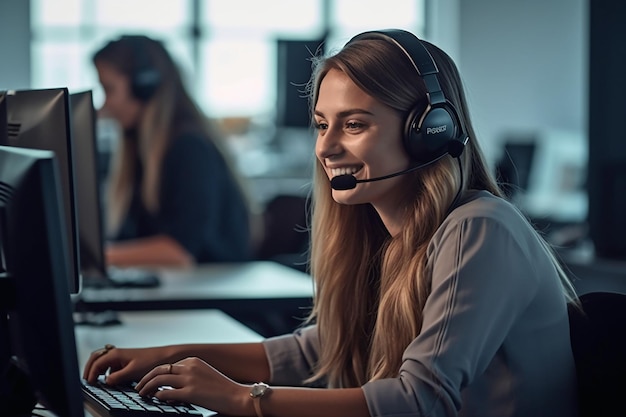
column 524, row 65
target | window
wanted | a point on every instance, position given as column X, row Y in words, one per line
column 226, row 48
column 67, row 32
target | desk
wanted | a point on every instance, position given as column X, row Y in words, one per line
column 260, row 289
column 598, row 275
column 590, row 274
column 143, row 329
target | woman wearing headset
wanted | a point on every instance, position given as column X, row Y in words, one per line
column 173, row 198
column 434, row 295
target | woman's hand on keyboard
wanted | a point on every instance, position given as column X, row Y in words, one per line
column 122, row 366
column 194, row 381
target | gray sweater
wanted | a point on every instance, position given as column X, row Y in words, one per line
column 495, row 336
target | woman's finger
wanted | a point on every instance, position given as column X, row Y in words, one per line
column 91, row 372
column 165, row 369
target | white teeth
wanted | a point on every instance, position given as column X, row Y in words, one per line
column 343, row 171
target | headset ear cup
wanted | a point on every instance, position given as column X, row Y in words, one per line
column 428, row 137
column 438, row 127
column 146, row 78
column 145, row 83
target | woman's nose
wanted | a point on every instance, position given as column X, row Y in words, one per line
column 328, row 144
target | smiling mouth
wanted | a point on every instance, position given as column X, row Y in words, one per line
column 335, row 172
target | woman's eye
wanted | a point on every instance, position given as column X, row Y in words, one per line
column 354, row 125
column 321, row 126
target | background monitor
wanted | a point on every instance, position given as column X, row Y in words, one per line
column 39, row 361
column 292, row 74
column 514, row 167
column 547, row 175
column 90, row 227
column 95, row 273
column 3, row 117
column 40, row 119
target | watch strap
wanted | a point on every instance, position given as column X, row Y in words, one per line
column 256, row 401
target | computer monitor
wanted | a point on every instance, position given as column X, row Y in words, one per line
column 293, row 70
column 39, row 361
column 90, row 227
column 514, row 167
column 95, row 272
column 550, row 168
column 40, row 119
column 3, row 117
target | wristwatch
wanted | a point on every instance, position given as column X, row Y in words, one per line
column 257, row 392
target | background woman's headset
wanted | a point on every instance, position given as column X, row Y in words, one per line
column 146, row 78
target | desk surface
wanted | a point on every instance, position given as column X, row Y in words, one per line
column 158, row 328
column 240, row 287
column 144, row 329
column 590, row 274
column 598, row 275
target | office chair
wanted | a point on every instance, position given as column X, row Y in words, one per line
column 598, row 336
column 286, row 237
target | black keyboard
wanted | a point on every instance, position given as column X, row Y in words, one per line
column 124, row 401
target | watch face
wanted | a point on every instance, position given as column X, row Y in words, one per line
column 258, row 390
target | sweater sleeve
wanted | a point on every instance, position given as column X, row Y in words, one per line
column 292, row 357
column 482, row 280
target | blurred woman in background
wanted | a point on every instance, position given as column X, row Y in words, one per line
column 173, row 197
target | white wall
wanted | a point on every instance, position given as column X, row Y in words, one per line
column 525, row 66
column 14, row 44
column 443, row 26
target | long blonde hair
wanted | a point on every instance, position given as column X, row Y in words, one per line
column 371, row 287
column 167, row 113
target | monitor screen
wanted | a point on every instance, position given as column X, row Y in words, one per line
column 548, row 175
column 515, row 166
column 37, row 339
column 3, row 117
column 87, row 184
column 293, row 70
column 40, row 119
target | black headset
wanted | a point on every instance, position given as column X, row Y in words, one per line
column 437, row 131
column 145, row 78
